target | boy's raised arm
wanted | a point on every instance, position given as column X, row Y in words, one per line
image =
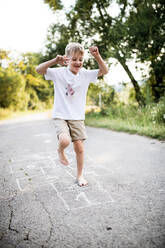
column 102, row 66
column 61, row 60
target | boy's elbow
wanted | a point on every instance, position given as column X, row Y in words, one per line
column 106, row 71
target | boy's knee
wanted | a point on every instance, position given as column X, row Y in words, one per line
column 64, row 139
column 78, row 146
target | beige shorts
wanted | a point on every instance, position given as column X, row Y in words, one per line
column 74, row 128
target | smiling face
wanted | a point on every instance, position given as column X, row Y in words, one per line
column 76, row 62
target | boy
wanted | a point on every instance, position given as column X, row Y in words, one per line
column 70, row 88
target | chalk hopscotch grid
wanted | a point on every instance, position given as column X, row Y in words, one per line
column 79, row 194
column 39, row 163
column 82, row 194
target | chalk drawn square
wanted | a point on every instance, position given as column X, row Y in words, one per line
column 64, row 184
column 82, row 199
column 45, row 163
column 53, row 172
column 76, row 197
column 98, row 197
column 26, row 183
column 29, row 171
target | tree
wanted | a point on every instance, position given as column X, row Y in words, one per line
column 4, row 55
column 89, row 22
column 54, row 4
column 146, row 32
column 21, row 87
column 57, row 39
column 12, row 90
column 39, row 90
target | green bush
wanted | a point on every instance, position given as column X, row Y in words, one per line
column 156, row 111
column 12, row 90
column 151, row 114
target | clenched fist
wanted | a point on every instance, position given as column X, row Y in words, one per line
column 94, row 51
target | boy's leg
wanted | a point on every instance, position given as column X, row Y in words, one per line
column 64, row 141
column 63, row 135
column 79, row 150
column 78, row 135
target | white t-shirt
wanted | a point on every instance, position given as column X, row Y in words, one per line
column 70, row 106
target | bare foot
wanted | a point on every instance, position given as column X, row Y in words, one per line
column 81, row 181
column 62, row 158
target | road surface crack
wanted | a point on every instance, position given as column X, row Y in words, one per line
column 10, row 222
column 49, row 217
column 11, row 215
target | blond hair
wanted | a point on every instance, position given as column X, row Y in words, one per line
column 74, row 47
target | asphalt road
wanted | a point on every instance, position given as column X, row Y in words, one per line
column 42, row 207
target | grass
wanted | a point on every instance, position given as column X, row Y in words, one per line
column 153, row 131
column 130, row 119
column 6, row 114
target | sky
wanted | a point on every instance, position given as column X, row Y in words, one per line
column 23, row 24
column 23, row 28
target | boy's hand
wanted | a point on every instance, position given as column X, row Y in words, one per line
column 61, row 60
column 94, row 51
column 103, row 69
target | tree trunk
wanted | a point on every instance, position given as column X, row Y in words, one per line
column 138, row 95
column 158, row 89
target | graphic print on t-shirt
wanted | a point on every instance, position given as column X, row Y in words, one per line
column 69, row 90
